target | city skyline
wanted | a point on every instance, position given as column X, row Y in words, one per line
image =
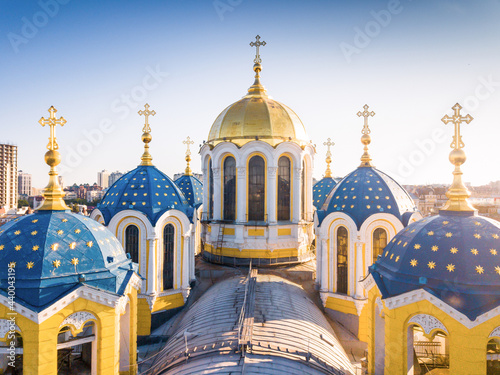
column 409, row 61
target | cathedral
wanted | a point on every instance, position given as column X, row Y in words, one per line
column 418, row 295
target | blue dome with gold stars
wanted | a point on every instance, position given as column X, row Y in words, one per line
column 192, row 188
column 455, row 256
column 55, row 252
column 321, row 189
column 145, row 189
column 365, row 192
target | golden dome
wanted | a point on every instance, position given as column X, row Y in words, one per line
column 257, row 117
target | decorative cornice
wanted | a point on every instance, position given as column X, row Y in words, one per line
column 428, row 323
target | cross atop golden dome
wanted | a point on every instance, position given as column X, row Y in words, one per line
column 146, row 158
column 53, row 193
column 188, row 142
column 366, row 160
column 257, row 89
column 457, row 193
column 328, row 143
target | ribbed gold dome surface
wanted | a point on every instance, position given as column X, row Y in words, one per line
column 257, row 116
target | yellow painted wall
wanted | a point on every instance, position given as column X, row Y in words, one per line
column 467, row 347
column 256, row 232
column 228, row 231
column 143, row 317
column 341, row 305
column 168, row 302
column 253, row 253
column 284, row 231
column 40, row 340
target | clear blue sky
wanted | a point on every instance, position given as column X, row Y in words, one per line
column 93, row 60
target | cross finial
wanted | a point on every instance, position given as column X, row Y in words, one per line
column 366, row 160
column 188, row 142
column 328, row 144
column 53, row 193
column 457, row 193
column 146, row 158
column 52, row 122
column 457, row 119
column 257, row 44
column 366, row 114
column 146, row 113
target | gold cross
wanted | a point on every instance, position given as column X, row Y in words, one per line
column 257, row 44
column 188, row 142
column 52, row 122
column 366, row 114
column 146, row 114
column 328, row 143
column 457, row 119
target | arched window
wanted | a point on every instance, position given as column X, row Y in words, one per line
column 492, row 356
column 432, row 351
column 342, row 266
column 168, row 256
column 210, row 190
column 284, row 179
column 379, row 242
column 132, row 242
column 256, row 189
column 303, row 192
column 229, row 189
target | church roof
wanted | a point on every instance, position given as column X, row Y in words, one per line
column 192, row 188
column 454, row 255
column 290, row 334
column 367, row 191
column 321, row 190
column 55, row 252
column 145, row 189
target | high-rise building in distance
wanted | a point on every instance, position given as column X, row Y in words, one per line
column 8, row 176
column 24, row 183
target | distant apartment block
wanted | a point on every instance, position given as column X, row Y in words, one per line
column 8, row 176
column 103, row 179
column 24, row 183
column 113, row 177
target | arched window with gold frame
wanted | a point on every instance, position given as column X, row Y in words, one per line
column 256, row 189
column 168, row 256
column 342, row 260
column 229, row 192
column 132, row 242
column 284, row 188
column 210, row 190
column 379, row 242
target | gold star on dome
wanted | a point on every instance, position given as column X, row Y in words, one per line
column 417, row 246
column 77, row 231
column 430, row 233
column 89, row 244
column 74, row 261
column 449, row 234
column 446, row 222
column 34, row 233
column 434, row 248
column 453, row 250
column 413, row 262
column 413, row 230
column 18, row 247
column 56, row 263
column 397, row 258
column 477, row 223
column 450, row 267
column 54, row 246
column 477, row 235
column 474, row 251
column 30, row 265
column 392, row 255
column 386, row 253
column 479, row 270
column 2, row 247
column 12, row 265
column 34, row 221
column 72, row 245
column 60, row 231
column 64, row 220
column 493, row 251
column 17, row 232
column 431, row 265
column 497, row 269
column 36, row 247
column 406, row 243
column 495, row 236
